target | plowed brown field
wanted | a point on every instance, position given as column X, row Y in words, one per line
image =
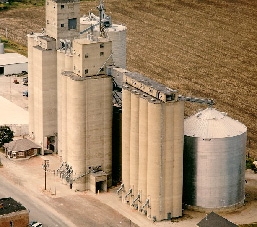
column 203, row 48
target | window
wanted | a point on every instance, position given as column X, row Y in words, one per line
column 86, row 55
column 62, row 25
column 102, row 45
column 86, row 71
column 101, row 69
column 101, row 53
column 72, row 23
column 62, row 6
column 47, row 21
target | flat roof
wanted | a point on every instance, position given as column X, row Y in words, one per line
column 10, row 205
column 12, row 114
column 12, row 58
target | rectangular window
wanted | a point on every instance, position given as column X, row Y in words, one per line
column 62, row 6
column 62, row 25
column 47, row 21
column 86, row 55
column 102, row 45
column 72, row 23
column 101, row 69
column 86, row 71
column 101, row 53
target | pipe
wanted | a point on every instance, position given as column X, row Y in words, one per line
column 146, row 203
column 130, row 191
column 121, row 188
column 137, row 198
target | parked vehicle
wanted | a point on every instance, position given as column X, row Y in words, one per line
column 25, row 93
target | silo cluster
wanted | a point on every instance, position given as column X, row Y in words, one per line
column 214, row 161
column 85, row 114
column 152, row 148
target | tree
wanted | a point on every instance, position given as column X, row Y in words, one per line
column 6, row 135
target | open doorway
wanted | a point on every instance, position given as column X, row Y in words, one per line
column 98, row 182
column 99, row 186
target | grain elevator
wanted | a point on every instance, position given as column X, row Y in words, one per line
column 70, row 94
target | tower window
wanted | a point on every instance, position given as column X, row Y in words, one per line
column 102, row 45
column 101, row 53
column 101, row 69
column 47, row 21
column 62, row 25
column 86, row 71
column 72, row 23
column 62, row 6
column 86, row 55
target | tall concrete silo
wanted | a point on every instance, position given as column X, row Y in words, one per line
column 126, row 118
column 143, row 149
column 134, row 141
column 214, row 161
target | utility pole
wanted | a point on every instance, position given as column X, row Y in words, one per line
column 45, row 165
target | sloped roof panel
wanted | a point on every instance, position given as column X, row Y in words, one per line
column 12, row 58
column 210, row 123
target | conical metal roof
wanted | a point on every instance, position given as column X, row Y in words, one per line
column 210, row 123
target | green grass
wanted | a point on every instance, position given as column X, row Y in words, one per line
column 13, row 47
column 20, row 4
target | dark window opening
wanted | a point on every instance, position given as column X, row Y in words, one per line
column 72, row 23
column 101, row 69
column 62, row 25
column 101, row 53
column 1, row 70
column 62, row 6
column 102, row 45
column 86, row 71
column 86, row 55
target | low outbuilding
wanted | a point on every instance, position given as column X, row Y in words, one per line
column 12, row 213
column 214, row 220
column 22, row 148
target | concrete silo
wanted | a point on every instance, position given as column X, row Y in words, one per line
column 152, row 127
column 126, row 119
column 214, row 161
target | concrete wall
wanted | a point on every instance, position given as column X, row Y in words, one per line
column 91, row 56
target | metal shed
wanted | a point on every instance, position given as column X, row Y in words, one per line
column 13, row 63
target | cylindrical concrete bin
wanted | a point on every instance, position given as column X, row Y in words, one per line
column 126, row 119
column 155, row 185
column 143, row 151
column 178, row 159
column 134, row 143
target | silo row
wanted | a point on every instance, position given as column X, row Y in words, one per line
column 152, row 154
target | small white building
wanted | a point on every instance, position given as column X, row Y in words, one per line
column 12, row 63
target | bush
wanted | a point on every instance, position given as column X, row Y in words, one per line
column 6, row 135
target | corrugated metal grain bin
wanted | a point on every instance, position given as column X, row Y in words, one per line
column 214, row 161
